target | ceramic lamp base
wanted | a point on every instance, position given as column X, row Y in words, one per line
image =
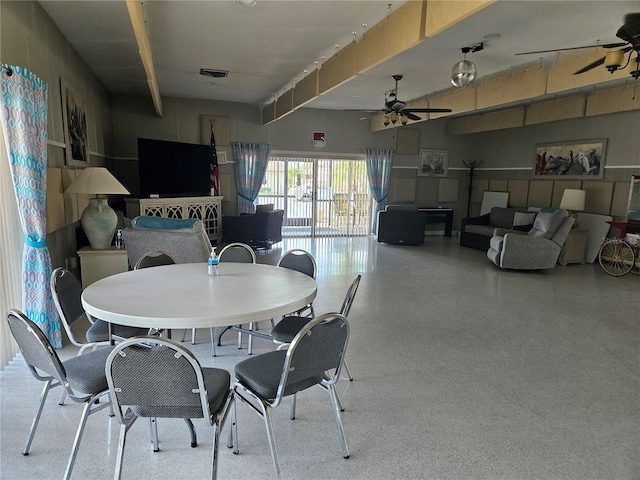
column 99, row 222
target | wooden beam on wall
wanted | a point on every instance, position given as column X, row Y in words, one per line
column 613, row 100
column 521, row 85
column 284, row 104
column 306, row 89
column 561, row 73
column 136, row 14
column 556, row 109
column 442, row 14
column 338, row 69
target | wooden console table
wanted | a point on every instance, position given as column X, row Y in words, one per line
column 440, row 215
column 207, row 209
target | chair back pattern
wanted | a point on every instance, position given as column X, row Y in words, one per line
column 318, row 348
column 237, row 252
column 299, row 260
column 67, row 294
column 155, row 377
column 155, row 258
column 349, row 297
column 36, row 348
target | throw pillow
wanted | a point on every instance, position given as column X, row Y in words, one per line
column 523, row 219
column 547, row 223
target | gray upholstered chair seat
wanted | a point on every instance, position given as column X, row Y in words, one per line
column 99, row 331
column 85, row 373
column 262, row 375
column 288, row 327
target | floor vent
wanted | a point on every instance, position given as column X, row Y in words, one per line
column 209, row 72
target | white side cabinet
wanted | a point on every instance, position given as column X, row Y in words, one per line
column 97, row 264
column 207, row 209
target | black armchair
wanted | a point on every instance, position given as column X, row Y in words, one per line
column 401, row 224
column 259, row 230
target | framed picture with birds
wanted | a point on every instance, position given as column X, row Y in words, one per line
column 580, row 159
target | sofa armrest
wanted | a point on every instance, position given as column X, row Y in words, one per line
column 525, row 252
column 503, row 231
column 481, row 220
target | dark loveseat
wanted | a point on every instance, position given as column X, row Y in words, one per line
column 259, row 230
column 476, row 232
column 401, row 224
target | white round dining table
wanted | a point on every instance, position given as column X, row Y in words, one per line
column 185, row 296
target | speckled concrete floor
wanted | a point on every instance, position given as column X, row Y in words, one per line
column 461, row 371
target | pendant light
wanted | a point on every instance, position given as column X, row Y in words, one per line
column 465, row 71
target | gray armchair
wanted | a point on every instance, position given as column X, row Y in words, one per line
column 536, row 250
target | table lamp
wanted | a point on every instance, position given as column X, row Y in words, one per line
column 573, row 201
column 99, row 220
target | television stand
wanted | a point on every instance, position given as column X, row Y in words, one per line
column 206, row 208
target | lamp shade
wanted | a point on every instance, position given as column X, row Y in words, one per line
column 573, row 200
column 98, row 220
column 97, row 180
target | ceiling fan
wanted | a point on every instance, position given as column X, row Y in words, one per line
column 613, row 60
column 396, row 110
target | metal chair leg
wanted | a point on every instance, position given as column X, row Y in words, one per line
column 348, row 372
column 336, row 413
column 34, row 424
column 153, row 431
column 121, row 443
column 212, row 334
column 292, row 414
column 272, row 441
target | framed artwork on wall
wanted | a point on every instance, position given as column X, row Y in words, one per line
column 433, row 163
column 74, row 120
column 581, row 159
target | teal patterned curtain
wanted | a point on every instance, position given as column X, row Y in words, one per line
column 251, row 164
column 378, row 171
column 24, row 122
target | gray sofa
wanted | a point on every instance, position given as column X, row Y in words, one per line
column 185, row 240
column 537, row 249
column 476, row 232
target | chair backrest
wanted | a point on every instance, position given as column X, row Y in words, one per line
column 348, row 299
column 299, row 260
column 316, row 350
column 35, row 347
column 237, row 252
column 67, row 296
column 156, row 377
column 155, row 258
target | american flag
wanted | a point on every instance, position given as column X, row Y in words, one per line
column 214, row 171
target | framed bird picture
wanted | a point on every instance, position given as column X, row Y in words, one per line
column 581, row 159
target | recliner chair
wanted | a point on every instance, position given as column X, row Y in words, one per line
column 536, row 250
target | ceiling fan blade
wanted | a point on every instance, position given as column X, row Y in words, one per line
column 411, row 116
column 599, row 62
column 426, row 110
column 604, row 45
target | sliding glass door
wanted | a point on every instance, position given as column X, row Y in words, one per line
column 320, row 196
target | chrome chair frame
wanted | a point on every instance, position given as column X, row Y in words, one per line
column 127, row 417
column 310, row 360
column 42, row 357
column 303, row 262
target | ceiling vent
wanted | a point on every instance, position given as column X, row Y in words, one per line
column 210, row 72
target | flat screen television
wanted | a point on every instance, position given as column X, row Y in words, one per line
column 173, row 169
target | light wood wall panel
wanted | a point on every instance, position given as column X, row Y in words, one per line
column 404, row 189
column 498, row 185
column 518, row 192
column 338, row 69
column 55, row 200
column 599, row 197
column 525, row 84
column 510, row 118
column 441, row 14
column 561, row 73
column 284, row 104
column 613, row 100
column 306, row 89
column 620, row 199
column 459, row 126
column 459, row 100
column 269, row 113
column 479, row 187
column 553, row 110
column 448, row 190
column 540, row 193
column 401, row 30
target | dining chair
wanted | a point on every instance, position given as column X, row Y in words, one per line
column 315, row 357
column 82, row 377
column 67, row 296
column 301, row 261
column 237, row 252
column 155, row 258
column 152, row 377
column 287, row 328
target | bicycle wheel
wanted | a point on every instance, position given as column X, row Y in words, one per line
column 616, row 257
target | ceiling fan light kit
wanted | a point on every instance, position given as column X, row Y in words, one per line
column 614, row 60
